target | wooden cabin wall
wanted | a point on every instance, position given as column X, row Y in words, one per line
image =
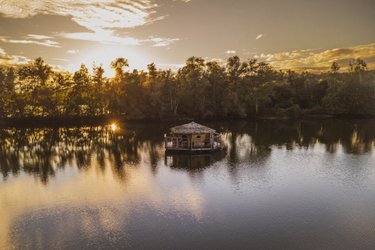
column 200, row 139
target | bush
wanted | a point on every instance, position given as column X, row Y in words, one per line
column 294, row 111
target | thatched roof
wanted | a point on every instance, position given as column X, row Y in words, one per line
column 192, row 128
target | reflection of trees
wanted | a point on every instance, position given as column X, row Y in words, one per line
column 43, row 151
column 355, row 136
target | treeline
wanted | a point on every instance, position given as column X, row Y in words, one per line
column 199, row 89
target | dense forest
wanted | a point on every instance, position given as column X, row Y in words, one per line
column 199, row 89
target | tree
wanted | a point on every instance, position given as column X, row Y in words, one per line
column 169, row 92
column 79, row 96
column 118, row 65
column 352, row 98
column 37, row 71
column 218, row 100
column 153, row 91
column 261, row 88
column 193, row 84
column 235, row 69
column 357, row 65
column 81, row 77
column 96, row 98
column 198, row 89
column 335, row 67
column 34, row 77
column 98, row 75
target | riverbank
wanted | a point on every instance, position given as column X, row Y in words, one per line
column 106, row 119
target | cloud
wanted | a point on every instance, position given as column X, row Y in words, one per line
column 318, row 60
column 103, row 36
column 110, row 38
column 47, row 43
column 60, row 60
column 72, row 51
column 162, row 42
column 103, row 18
column 92, row 14
column 39, row 37
column 2, row 54
column 259, row 36
column 230, row 52
column 7, row 59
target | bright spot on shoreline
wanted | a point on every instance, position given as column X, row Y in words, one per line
column 114, row 127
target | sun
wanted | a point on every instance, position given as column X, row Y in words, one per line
column 104, row 55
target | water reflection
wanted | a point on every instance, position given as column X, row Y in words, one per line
column 192, row 162
column 43, row 151
column 99, row 187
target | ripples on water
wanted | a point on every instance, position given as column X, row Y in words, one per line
column 278, row 184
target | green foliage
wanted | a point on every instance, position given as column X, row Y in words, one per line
column 358, row 65
column 335, row 67
column 352, row 97
column 198, row 89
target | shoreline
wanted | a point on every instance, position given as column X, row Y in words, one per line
column 76, row 121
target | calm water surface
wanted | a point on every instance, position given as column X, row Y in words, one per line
column 279, row 184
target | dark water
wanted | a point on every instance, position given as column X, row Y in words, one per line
column 279, row 184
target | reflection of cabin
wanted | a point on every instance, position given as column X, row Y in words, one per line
column 192, row 137
column 192, row 162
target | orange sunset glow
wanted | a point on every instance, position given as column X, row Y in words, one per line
column 187, row 124
column 67, row 33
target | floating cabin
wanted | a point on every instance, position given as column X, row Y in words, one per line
column 192, row 137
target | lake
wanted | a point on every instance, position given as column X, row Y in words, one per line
column 278, row 184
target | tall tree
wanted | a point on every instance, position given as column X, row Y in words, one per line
column 335, row 67
column 119, row 65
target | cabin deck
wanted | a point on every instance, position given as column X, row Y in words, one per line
column 203, row 150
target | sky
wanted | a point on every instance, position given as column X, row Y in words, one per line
column 301, row 35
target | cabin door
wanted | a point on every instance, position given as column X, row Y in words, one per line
column 185, row 141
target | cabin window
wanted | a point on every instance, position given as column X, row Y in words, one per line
column 198, row 136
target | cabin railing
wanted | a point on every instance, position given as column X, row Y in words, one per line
column 173, row 143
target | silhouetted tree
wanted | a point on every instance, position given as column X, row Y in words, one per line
column 335, row 67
